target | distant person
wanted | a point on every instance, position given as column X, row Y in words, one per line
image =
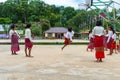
column 98, row 33
column 68, row 37
column 118, row 46
column 114, row 45
column 91, row 41
column 28, row 41
column 105, row 40
column 14, row 40
column 111, row 31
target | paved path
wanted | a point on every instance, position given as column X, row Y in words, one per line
column 50, row 63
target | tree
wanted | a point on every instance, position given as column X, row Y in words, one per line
column 36, row 30
column 5, row 21
column 45, row 24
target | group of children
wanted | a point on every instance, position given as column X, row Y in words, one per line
column 109, row 41
column 102, row 40
column 99, row 39
column 14, row 36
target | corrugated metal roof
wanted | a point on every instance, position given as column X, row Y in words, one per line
column 57, row 30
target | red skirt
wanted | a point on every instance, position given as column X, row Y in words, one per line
column 98, row 41
column 28, row 43
column 66, row 41
column 114, row 45
column 110, row 44
column 100, row 54
column 91, row 44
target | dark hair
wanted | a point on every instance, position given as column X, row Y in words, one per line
column 70, row 29
column 90, row 31
column 112, row 29
column 28, row 26
column 98, row 23
column 12, row 26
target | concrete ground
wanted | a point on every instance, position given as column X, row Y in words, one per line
column 50, row 63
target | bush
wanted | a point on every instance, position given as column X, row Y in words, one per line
column 36, row 30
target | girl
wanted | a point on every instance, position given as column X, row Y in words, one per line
column 114, row 36
column 98, row 33
column 68, row 38
column 14, row 40
column 110, row 40
column 91, row 44
column 28, row 41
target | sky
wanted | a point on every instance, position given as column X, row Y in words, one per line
column 72, row 3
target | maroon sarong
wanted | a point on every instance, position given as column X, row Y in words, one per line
column 66, row 41
column 14, row 43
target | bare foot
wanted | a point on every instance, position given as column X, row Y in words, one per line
column 27, row 56
column 15, row 54
column 100, row 60
column 97, row 60
column 91, row 50
column 30, row 56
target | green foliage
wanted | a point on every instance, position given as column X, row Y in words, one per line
column 36, row 30
column 24, row 11
column 5, row 21
column 45, row 24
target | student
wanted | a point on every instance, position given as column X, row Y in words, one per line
column 91, row 43
column 68, row 38
column 118, row 46
column 28, row 41
column 111, row 31
column 114, row 36
column 98, row 33
column 14, row 40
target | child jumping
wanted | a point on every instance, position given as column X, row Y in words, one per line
column 68, row 38
column 91, row 43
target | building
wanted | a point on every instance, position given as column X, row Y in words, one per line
column 84, row 34
column 55, row 33
column 2, row 32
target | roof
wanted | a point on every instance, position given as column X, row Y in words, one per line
column 84, row 32
column 57, row 30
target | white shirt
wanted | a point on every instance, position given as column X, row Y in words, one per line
column 110, row 33
column 11, row 32
column 98, row 31
column 90, row 36
column 69, row 35
column 73, row 33
column 114, row 36
column 28, row 34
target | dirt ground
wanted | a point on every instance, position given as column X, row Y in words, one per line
column 50, row 63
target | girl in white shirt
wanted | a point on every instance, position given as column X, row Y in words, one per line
column 91, row 41
column 98, row 33
column 110, row 41
column 68, row 38
column 28, row 41
column 114, row 46
column 14, row 40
